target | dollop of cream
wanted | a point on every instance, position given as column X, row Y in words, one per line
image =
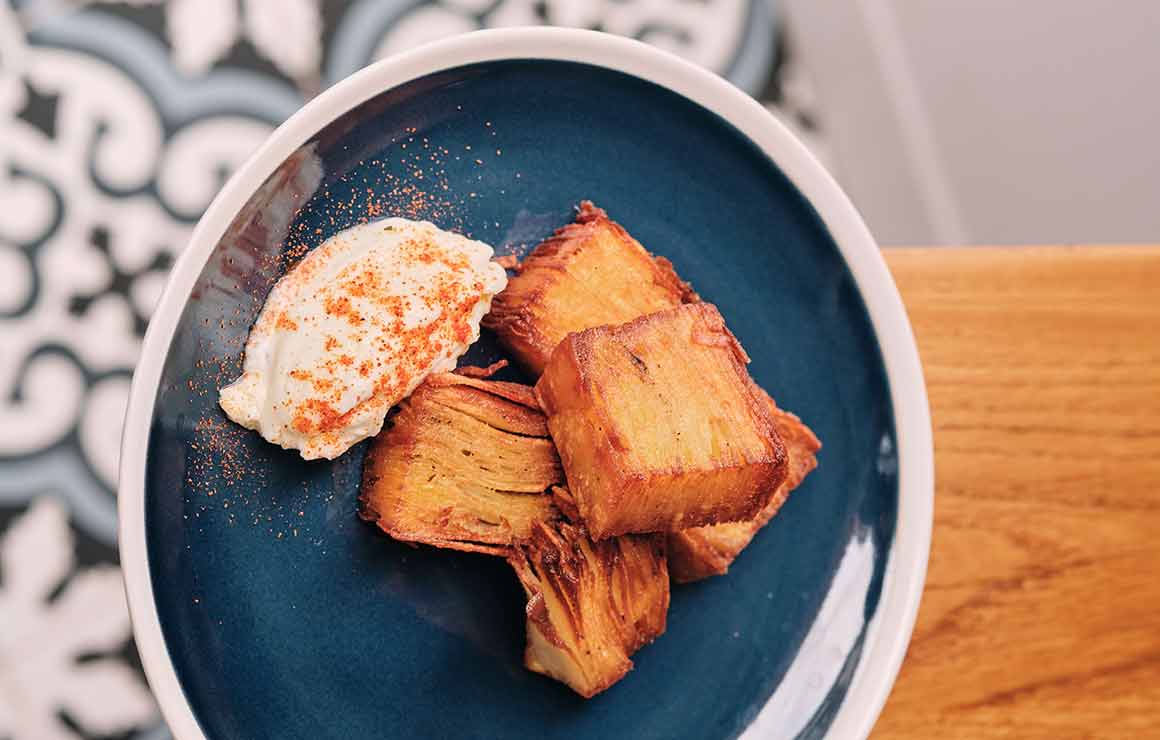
column 354, row 327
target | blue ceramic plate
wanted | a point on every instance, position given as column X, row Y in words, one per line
column 265, row 609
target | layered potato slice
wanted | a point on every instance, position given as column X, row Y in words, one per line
column 701, row 552
column 591, row 605
column 572, row 270
column 659, row 426
column 465, row 464
column 590, row 272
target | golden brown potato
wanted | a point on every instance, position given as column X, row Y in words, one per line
column 590, row 604
column 590, row 272
column 708, row 551
column 465, row 464
column 659, row 426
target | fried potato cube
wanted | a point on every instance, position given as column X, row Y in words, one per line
column 465, row 464
column 708, row 551
column 659, row 426
column 590, row 272
column 591, row 605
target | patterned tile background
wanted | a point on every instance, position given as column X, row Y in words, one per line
column 118, row 123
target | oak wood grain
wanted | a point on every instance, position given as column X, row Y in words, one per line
column 1041, row 614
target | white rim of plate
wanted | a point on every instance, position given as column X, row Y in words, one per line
column 889, row 631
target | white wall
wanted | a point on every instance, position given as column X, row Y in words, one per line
column 991, row 121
